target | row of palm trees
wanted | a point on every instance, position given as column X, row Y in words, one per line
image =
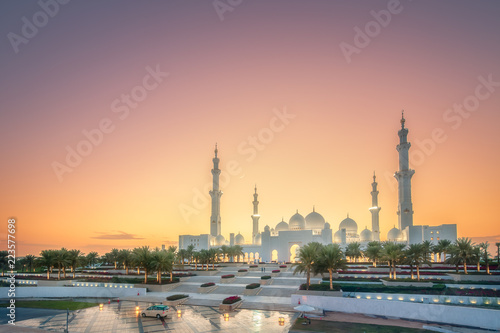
column 317, row 259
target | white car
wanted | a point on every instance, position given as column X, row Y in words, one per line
column 157, row 311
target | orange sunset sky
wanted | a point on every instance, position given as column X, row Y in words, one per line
column 223, row 77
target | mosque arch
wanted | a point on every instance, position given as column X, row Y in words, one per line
column 294, row 252
column 274, row 255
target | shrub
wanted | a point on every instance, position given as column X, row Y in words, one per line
column 252, row 286
column 227, row 276
column 276, row 271
column 242, row 270
column 208, row 284
column 253, row 266
column 283, row 266
column 265, row 277
column 176, row 297
column 321, row 287
column 231, row 300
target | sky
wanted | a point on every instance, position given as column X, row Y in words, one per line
column 111, row 111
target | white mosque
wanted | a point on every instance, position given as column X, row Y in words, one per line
column 282, row 242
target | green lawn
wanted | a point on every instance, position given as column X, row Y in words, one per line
column 340, row 327
column 55, row 305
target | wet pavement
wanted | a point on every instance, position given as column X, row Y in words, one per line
column 123, row 317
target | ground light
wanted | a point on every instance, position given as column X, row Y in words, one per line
column 226, row 316
column 281, row 321
column 179, row 313
column 100, row 306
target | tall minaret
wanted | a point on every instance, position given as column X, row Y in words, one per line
column 405, row 207
column 374, row 209
column 255, row 215
column 215, row 194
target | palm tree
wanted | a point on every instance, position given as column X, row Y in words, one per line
column 427, row 248
column 353, row 251
column 46, row 259
column 464, row 250
column 373, row 252
column 30, row 261
column 114, row 256
column 485, row 256
column 92, row 258
column 162, row 261
column 476, row 256
column 237, row 251
column 204, row 258
column 497, row 244
column 331, row 260
column 306, row 258
column 61, row 260
column 125, row 257
column 196, row 256
column 443, row 246
column 172, row 249
column 393, row 253
column 213, row 255
column 415, row 255
column 454, row 258
column 75, row 259
column 224, row 250
column 4, row 261
column 189, row 252
column 142, row 258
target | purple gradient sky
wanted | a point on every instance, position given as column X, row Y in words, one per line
column 225, row 79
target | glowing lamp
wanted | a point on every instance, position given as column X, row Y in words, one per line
column 226, row 316
column 281, row 321
column 101, row 306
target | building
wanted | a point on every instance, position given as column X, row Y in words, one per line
column 282, row 242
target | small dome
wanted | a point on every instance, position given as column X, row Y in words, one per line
column 220, row 240
column 394, row 235
column 349, row 225
column 297, row 222
column 315, row 220
column 239, row 239
column 281, row 226
column 266, row 228
column 258, row 239
column 366, row 235
column 337, row 238
column 327, row 226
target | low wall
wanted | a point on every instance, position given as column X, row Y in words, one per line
column 23, row 292
column 472, row 277
column 454, row 315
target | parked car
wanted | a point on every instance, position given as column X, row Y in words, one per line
column 157, row 311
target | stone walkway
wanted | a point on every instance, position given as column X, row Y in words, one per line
column 123, row 317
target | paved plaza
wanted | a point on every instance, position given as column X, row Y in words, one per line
column 123, row 317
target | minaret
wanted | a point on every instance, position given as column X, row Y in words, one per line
column 405, row 207
column 255, row 215
column 216, row 193
column 374, row 209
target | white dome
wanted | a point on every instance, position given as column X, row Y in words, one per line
column 258, row 239
column 366, row 235
column 281, row 226
column 239, row 239
column 337, row 238
column 349, row 225
column 220, row 240
column 394, row 235
column 327, row 226
column 266, row 228
column 297, row 222
column 314, row 220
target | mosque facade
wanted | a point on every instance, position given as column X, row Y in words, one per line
column 282, row 242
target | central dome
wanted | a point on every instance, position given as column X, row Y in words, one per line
column 349, row 225
column 366, row 235
column 220, row 240
column 394, row 235
column 239, row 239
column 281, row 226
column 315, row 220
column 297, row 222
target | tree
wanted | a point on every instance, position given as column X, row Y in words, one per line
column 443, row 246
column 454, row 258
column 464, row 250
column 415, row 255
column 189, row 252
column 162, row 261
column 61, row 259
column 196, row 258
column 373, row 252
column 172, row 249
column 114, row 256
column 75, row 259
column 331, row 260
column 213, row 255
column 427, row 249
column 497, row 244
column 236, row 251
column 353, row 251
column 92, row 258
column 224, row 250
column 142, row 258
column 4, row 261
column 126, row 258
column 30, row 261
column 46, row 259
column 393, row 253
column 485, row 256
column 181, row 256
column 306, row 257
